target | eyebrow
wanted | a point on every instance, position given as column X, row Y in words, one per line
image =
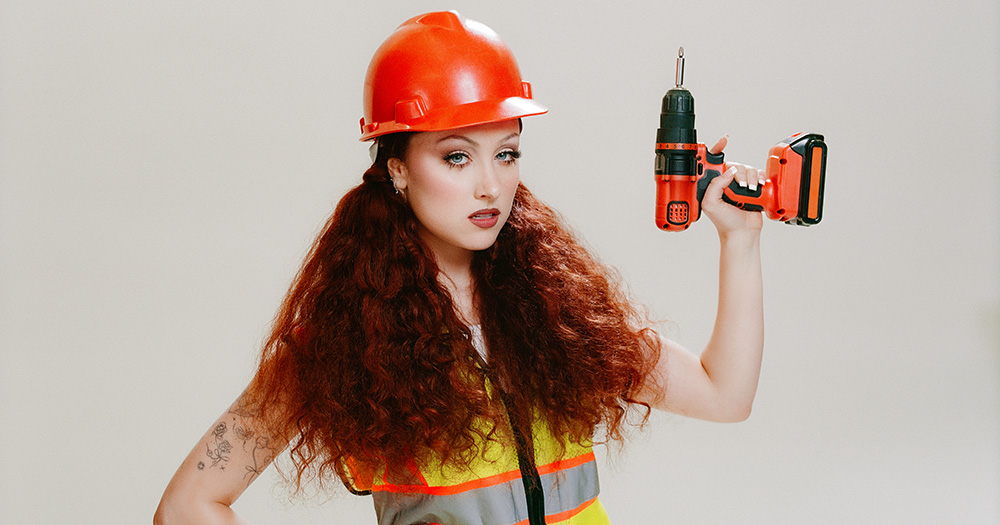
column 472, row 142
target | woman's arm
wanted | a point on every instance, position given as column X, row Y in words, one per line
column 720, row 384
column 232, row 454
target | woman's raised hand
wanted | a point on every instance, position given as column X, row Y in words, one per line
column 729, row 219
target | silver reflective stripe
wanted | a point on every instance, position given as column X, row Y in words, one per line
column 500, row 504
column 567, row 489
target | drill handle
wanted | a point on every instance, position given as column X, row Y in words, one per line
column 710, row 166
column 734, row 194
column 713, row 166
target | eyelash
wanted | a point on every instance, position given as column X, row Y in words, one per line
column 513, row 155
column 454, row 159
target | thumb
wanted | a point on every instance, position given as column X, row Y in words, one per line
column 719, row 146
column 715, row 188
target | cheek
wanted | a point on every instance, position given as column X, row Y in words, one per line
column 510, row 186
column 436, row 191
column 432, row 191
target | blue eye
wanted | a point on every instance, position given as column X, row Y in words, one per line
column 508, row 156
column 456, row 159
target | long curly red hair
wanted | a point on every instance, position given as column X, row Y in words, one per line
column 368, row 362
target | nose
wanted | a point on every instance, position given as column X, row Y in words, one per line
column 488, row 187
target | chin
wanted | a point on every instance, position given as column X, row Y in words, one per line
column 483, row 244
column 478, row 247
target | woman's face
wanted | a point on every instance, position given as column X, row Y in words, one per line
column 460, row 184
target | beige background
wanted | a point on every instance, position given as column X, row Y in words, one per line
column 164, row 166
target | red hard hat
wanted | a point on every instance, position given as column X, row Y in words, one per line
column 442, row 71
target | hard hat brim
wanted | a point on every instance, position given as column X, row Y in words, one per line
column 461, row 116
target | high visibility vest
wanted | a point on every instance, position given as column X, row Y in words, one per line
column 489, row 490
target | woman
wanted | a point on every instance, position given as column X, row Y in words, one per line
column 447, row 346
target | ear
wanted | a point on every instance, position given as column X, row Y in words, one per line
column 397, row 170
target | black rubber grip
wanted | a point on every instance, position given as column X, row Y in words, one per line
column 735, row 188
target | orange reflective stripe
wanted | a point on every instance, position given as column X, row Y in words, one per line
column 563, row 516
column 564, row 464
column 415, row 470
column 495, row 479
column 567, row 514
column 488, row 481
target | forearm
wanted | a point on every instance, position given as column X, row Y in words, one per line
column 173, row 512
column 732, row 356
column 189, row 498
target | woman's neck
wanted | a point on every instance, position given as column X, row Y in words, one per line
column 461, row 285
column 455, row 275
column 462, row 289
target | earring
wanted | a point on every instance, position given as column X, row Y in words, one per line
column 394, row 187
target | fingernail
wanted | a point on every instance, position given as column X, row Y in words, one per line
column 742, row 183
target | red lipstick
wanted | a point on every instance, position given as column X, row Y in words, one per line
column 486, row 218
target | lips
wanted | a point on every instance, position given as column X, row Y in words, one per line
column 485, row 218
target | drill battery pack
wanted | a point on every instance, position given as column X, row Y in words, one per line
column 797, row 167
column 796, row 174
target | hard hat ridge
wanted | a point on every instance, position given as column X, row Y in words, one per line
column 440, row 71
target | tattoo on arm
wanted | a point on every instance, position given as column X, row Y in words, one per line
column 257, row 445
column 218, row 450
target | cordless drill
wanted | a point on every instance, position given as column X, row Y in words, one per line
column 796, row 170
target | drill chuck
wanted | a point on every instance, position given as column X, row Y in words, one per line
column 677, row 111
column 677, row 118
column 676, row 130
